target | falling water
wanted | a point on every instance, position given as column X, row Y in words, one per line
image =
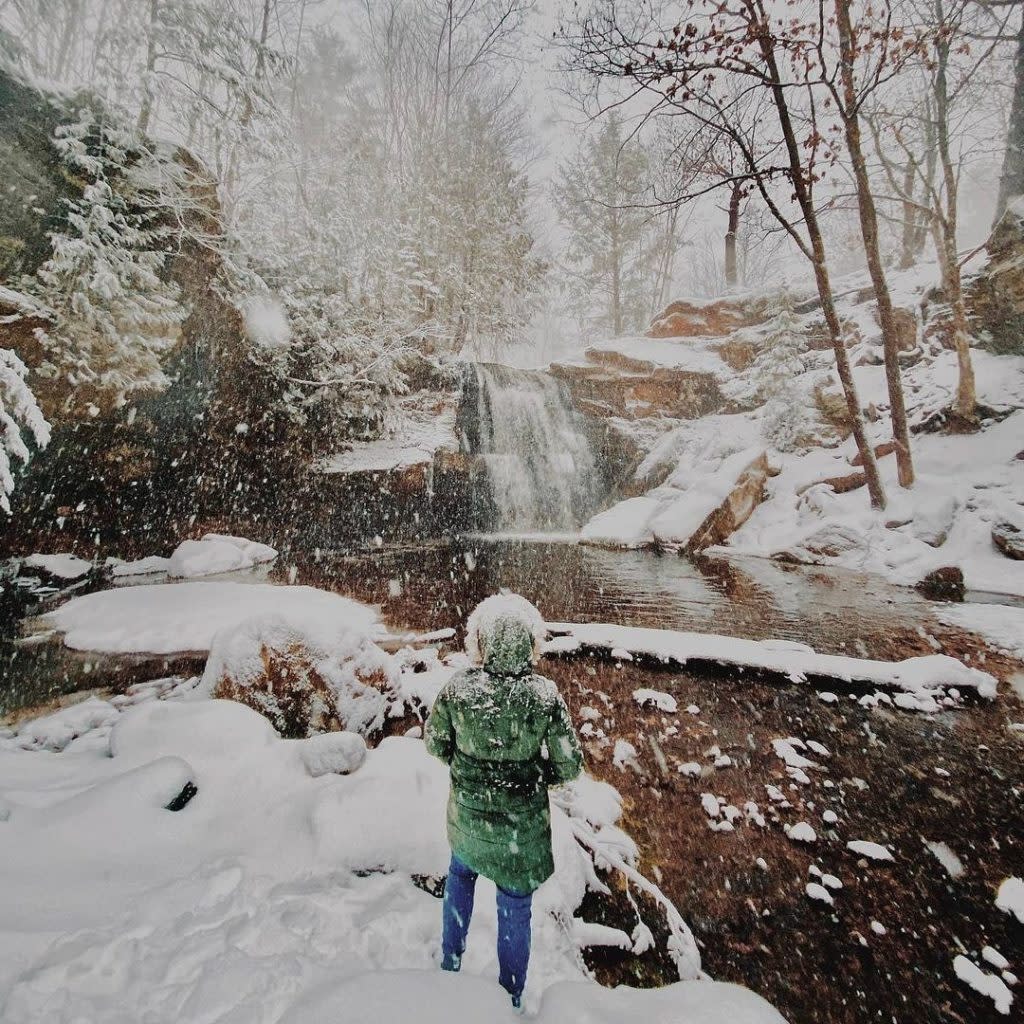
column 537, row 459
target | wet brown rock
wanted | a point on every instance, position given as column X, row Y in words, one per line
column 290, row 693
column 617, row 385
column 714, row 319
column 944, row 584
column 737, row 508
column 737, row 353
column 301, row 683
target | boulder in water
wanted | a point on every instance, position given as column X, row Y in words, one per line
column 943, row 584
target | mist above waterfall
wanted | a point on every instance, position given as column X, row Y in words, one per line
column 535, row 457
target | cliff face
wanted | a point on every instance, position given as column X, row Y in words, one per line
column 996, row 295
column 145, row 470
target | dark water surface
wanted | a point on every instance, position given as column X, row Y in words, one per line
column 430, row 586
column 438, row 585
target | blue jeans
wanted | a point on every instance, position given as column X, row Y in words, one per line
column 514, row 911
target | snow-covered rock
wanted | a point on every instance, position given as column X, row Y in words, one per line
column 983, row 983
column 217, row 553
column 865, row 848
column 63, row 566
column 801, row 832
column 305, row 675
column 662, row 701
column 701, row 504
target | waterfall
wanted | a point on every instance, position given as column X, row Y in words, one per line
column 532, row 445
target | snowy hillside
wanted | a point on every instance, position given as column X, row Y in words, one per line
column 816, row 509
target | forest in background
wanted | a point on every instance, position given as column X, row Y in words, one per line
column 358, row 182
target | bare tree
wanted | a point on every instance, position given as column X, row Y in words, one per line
column 876, row 46
column 703, row 70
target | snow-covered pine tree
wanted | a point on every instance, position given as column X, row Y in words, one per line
column 19, row 412
column 115, row 315
column 776, row 369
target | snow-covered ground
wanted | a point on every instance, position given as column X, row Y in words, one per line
column 273, row 895
column 918, row 681
column 281, row 891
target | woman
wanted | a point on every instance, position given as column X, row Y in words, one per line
column 507, row 736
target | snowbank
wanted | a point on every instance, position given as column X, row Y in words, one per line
column 1001, row 625
column 274, row 895
column 184, row 617
column 916, row 676
column 217, row 553
column 424, row 997
column 63, row 566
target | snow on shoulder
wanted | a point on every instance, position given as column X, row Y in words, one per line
column 917, row 677
column 180, row 618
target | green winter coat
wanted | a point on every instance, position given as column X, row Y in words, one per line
column 507, row 736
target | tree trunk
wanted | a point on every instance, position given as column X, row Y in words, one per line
column 872, row 250
column 965, row 416
column 821, row 278
column 964, row 412
column 735, row 197
column 908, row 250
column 1011, row 181
column 146, row 110
column 616, row 282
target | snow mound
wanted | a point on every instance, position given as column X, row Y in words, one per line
column 54, row 732
column 179, row 618
column 63, row 566
column 336, row 753
column 217, row 553
column 306, row 675
column 1010, row 897
column 918, row 677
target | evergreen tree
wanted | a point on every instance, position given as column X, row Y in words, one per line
column 19, row 412
column 114, row 315
column 598, row 197
column 777, row 366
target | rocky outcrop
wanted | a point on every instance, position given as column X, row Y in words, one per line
column 708, row 319
column 747, row 493
column 996, row 295
column 609, row 382
column 692, row 511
